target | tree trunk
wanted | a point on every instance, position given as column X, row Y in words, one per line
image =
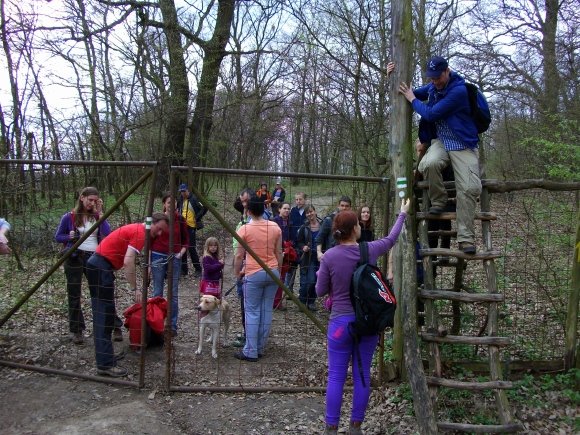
column 214, row 52
column 177, row 99
column 404, row 259
column 549, row 105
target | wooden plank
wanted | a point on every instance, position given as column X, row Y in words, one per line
column 481, row 428
column 459, row 339
column 497, row 186
column 483, row 255
column 484, row 216
column 516, row 366
column 443, row 233
column 464, row 385
column 462, row 297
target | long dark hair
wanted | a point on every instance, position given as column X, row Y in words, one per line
column 79, row 211
column 164, row 198
column 366, row 225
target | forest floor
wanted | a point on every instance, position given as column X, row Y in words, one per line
column 32, row 403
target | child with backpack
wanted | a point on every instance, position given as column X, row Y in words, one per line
column 212, row 268
column 334, row 279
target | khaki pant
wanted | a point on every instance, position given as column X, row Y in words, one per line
column 467, row 183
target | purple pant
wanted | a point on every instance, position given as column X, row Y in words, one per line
column 341, row 350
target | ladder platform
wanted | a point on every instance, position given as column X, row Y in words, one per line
column 461, row 339
column 481, row 428
column 482, row 215
column 465, row 385
column 461, row 296
column 484, row 255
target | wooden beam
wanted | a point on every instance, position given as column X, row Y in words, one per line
column 480, row 428
column 497, row 186
column 460, row 339
column 462, row 297
column 484, row 255
column 472, row 386
column 449, row 216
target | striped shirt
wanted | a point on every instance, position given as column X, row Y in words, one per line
column 449, row 139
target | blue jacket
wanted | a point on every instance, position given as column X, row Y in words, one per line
column 450, row 104
column 296, row 221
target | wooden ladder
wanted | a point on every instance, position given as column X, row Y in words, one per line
column 435, row 333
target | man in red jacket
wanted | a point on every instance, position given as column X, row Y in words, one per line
column 118, row 250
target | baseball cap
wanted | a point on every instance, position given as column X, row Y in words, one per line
column 183, row 187
column 436, row 66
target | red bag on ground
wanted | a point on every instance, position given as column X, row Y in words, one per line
column 155, row 316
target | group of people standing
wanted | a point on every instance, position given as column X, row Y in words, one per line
column 103, row 252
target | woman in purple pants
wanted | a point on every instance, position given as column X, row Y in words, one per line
column 334, row 276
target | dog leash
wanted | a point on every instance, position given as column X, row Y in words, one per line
column 230, row 290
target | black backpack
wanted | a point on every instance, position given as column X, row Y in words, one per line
column 373, row 300
column 479, row 108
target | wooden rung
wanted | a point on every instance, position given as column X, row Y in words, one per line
column 473, row 386
column 449, row 185
column 484, row 255
column 461, row 339
column 482, row 215
column 481, row 428
column 462, row 297
column 443, row 233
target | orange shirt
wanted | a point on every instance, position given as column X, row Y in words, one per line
column 262, row 236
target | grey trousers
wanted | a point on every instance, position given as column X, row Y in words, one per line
column 467, row 182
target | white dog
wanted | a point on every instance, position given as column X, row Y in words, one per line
column 218, row 312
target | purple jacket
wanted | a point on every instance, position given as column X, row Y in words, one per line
column 66, row 226
column 339, row 263
column 211, row 268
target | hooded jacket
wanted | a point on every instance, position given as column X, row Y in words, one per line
column 451, row 105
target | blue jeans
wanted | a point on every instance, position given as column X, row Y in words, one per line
column 290, row 277
column 308, row 282
column 101, row 278
column 341, row 350
column 159, row 268
column 259, row 292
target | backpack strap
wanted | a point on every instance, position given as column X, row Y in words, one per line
column 356, row 340
column 363, row 248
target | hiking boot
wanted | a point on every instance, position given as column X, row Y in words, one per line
column 435, row 209
column 114, row 372
column 117, row 334
column 78, row 338
column 174, row 333
column 330, row 430
column 354, row 428
column 242, row 356
column 467, row 247
column 312, row 307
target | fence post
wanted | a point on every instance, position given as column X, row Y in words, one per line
column 570, row 359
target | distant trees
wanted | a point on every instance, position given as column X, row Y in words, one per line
column 297, row 86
